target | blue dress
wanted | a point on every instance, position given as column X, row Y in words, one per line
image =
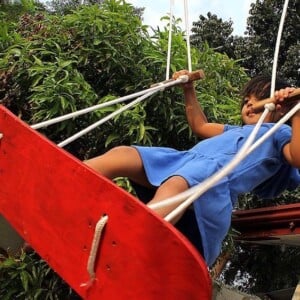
column 264, row 172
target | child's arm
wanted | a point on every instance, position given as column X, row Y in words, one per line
column 194, row 113
column 291, row 150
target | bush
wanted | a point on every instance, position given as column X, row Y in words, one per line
column 26, row 276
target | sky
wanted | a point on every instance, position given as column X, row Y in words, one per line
column 236, row 10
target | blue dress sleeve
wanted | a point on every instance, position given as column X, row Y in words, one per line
column 282, row 136
column 287, row 177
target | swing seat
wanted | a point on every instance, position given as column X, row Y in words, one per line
column 54, row 202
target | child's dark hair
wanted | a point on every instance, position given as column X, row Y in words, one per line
column 260, row 87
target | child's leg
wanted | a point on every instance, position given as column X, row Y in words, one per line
column 171, row 187
column 123, row 161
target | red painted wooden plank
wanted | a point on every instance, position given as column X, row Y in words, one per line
column 54, row 201
column 269, row 224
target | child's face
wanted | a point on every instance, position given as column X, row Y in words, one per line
column 249, row 117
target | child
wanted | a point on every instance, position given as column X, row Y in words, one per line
column 268, row 170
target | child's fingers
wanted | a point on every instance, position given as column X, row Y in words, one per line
column 282, row 94
column 177, row 74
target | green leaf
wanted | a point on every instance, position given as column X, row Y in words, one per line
column 25, row 277
column 64, row 64
column 38, row 61
column 111, row 138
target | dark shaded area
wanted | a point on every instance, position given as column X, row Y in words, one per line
column 187, row 225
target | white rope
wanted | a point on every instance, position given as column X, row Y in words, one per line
column 170, row 40
column 155, row 89
column 187, row 29
column 92, row 108
column 94, row 249
column 218, row 176
column 193, row 193
column 134, row 95
column 196, row 191
column 276, row 53
column 103, row 120
column 274, row 128
column 210, row 181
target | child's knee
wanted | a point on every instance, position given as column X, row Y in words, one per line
column 178, row 182
column 121, row 150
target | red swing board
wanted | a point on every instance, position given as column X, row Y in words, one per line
column 54, row 202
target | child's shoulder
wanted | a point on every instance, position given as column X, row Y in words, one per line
column 229, row 127
column 265, row 126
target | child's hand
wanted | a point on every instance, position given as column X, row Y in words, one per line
column 281, row 98
column 185, row 85
column 283, row 93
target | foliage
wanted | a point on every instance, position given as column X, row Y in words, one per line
column 260, row 268
column 62, row 7
column 262, row 27
column 249, row 201
column 26, row 276
column 221, row 39
column 62, row 64
column 221, row 72
column 9, row 15
column 255, row 50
